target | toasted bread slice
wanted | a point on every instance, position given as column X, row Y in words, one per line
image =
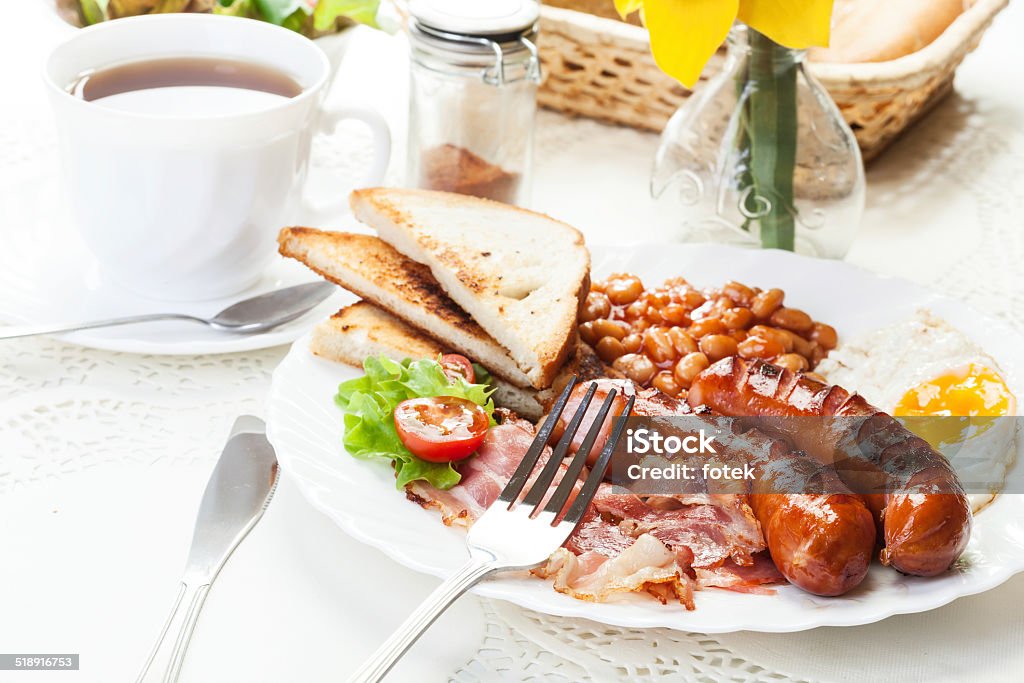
column 371, row 268
column 521, row 275
column 363, row 330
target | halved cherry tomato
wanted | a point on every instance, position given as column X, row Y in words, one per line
column 441, row 428
column 456, row 365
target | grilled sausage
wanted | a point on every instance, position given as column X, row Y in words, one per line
column 821, row 540
column 924, row 514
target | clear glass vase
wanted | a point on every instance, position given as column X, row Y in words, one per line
column 760, row 156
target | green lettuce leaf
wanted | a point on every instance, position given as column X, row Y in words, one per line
column 291, row 14
column 369, row 404
column 327, row 13
column 309, row 17
column 483, row 376
column 170, row 6
column 294, row 14
column 93, row 11
column 282, row 12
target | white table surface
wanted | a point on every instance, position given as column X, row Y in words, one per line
column 103, row 456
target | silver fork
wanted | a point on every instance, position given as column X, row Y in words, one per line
column 510, row 536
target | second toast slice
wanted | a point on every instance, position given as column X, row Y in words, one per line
column 371, row 268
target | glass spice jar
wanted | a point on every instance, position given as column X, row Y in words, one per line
column 473, row 97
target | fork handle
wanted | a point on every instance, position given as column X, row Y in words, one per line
column 437, row 602
column 60, row 328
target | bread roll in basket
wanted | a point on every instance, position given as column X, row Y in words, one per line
column 602, row 68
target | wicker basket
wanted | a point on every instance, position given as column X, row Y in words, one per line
column 603, row 69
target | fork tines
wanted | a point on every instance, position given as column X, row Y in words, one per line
column 536, row 495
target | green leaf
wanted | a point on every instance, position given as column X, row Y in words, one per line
column 369, row 403
column 297, row 20
column 170, row 6
column 129, row 8
column 483, row 376
column 327, row 13
column 93, row 11
column 280, row 11
column 236, row 8
column 440, row 475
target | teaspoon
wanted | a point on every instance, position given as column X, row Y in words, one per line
column 249, row 316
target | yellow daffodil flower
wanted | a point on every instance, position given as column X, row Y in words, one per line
column 685, row 33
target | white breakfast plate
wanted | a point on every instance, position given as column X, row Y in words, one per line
column 306, row 429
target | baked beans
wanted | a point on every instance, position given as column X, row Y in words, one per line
column 792, row 319
column 706, row 326
column 717, row 346
column 637, row 367
column 623, row 289
column 658, row 345
column 666, row 383
column 825, row 335
column 682, row 341
column 633, row 342
column 755, row 346
column 766, row 303
column 610, row 328
column 688, row 367
column 793, row 362
column 664, row 337
column 597, row 305
column 609, row 348
column 736, row 318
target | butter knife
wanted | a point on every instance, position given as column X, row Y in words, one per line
column 239, row 490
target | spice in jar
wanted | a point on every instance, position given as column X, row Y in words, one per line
column 450, row 168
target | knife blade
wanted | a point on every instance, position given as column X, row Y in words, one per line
column 238, row 492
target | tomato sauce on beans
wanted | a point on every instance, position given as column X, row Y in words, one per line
column 664, row 337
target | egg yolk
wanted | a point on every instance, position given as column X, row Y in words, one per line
column 974, row 391
column 969, row 392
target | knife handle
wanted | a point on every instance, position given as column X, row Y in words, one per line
column 168, row 653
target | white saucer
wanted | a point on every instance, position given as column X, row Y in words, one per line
column 80, row 295
column 48, row 276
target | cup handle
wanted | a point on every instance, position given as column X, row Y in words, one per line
column 323, row 211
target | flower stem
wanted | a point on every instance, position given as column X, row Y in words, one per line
column 771, row 137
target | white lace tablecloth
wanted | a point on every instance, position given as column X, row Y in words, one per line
column 103, row 456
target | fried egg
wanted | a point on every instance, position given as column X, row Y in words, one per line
column 922, row 367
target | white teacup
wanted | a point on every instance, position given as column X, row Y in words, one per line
column 186, row 204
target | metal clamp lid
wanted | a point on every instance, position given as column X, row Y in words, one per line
column 496, row 74
column 476, row 17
